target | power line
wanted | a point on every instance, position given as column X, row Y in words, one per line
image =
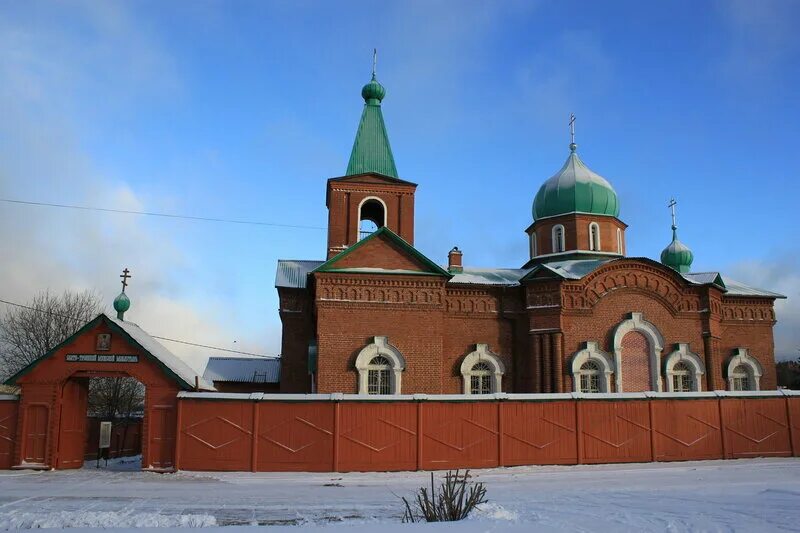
column 154, row 336
column 154, row 214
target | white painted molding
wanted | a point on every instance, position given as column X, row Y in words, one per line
column 682, row 354
column 482, row 354
column 592, row 353
column 380, row 346
column 636, row 322
column 741, row 356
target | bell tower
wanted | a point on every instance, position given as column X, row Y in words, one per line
column 370, row 195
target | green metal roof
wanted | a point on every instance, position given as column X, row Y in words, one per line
column 575, row 189
column 677, row 255
column 371, row 150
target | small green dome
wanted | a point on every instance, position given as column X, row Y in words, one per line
column 677, row 255
column 575, row 189
column 122, row 303
column 373, row 92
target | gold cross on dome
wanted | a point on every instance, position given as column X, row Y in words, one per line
column 125, row 276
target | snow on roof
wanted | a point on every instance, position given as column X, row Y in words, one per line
column 489, row 276
column 737, row 288
column 294, row 274
column 174, row 363
column 243, row 369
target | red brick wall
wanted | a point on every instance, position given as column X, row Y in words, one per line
column 298, row 330
column 576, row 228
column 380, row 253
column 635, row 363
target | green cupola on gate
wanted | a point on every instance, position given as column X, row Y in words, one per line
column 575, row 189
column 371, row 150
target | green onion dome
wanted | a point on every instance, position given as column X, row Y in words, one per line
column 122, row 303
column 677, row 255
column 373, row 92
column 575, row 189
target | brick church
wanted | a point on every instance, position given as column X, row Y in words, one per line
column 379, row 317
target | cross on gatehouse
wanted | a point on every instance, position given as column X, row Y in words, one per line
column 125, row 276
column 672, row 203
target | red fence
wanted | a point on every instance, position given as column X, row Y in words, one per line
column 270, row 432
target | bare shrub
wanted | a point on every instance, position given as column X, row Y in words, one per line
column 457, row 497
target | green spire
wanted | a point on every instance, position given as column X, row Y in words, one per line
column 677, row 255
column 371, row 151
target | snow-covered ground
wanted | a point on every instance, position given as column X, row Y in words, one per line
column 744, row 495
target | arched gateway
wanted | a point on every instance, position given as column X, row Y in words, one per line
column 51, row 425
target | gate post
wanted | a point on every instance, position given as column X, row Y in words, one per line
column 722, row 429
column 578, row 429
column 178, row 431
column 254, row 436
column 336, row 409
column 500, row 428
column 653, row 455
column 419, row 434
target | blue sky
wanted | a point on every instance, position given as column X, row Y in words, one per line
column 244, row 109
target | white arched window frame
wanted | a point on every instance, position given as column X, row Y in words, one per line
column 534, row 245
column 559, row 238
column 594, row 237
column 619, row 241
column 592, row 354
column 742, row 361
column 695, row 365
column 380, row 347
column 655, row 341
column 482, row 354
column 380, row 224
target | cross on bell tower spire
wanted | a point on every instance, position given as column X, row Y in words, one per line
column 374, row 62
column 672, row 203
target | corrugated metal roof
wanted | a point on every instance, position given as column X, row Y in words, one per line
column 737, row 288
column 294, row 274
column 489, row 276
column 701, row 278
column 575, row 268
column 243, row 369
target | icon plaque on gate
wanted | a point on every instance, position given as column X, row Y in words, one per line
column 103, row 342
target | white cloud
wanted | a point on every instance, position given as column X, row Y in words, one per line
column 782, row 276
column 51, row 81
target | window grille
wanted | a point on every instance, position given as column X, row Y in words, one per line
column 682, row 378
column 741, row 378
column 558, row 239
column 590, row 377
column 481, row 379
column 379, row 376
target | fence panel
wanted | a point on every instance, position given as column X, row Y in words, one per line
column 377, row 436
column 295, row 436
column 615, row 431
column 541, row 433
column 794, row 417
column 216, row 435
column 8, row 431
column 686, row 430
column 459, row 435
column 755, row 427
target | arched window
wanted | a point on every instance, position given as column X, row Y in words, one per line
column 594, row 237
column 379, row 376
column 654, row 346
column 682, row 380
column 534, row 245
column 481, row 379
column 744, row 371
column 482, row 371
column 684, row 370
column 592, row 369
column 741, row 378
column 590, row 377
column 371, row 216
column 558, row 239
column 619, row 241
column 380, row 368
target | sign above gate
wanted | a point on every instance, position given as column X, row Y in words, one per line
column 101, row 358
